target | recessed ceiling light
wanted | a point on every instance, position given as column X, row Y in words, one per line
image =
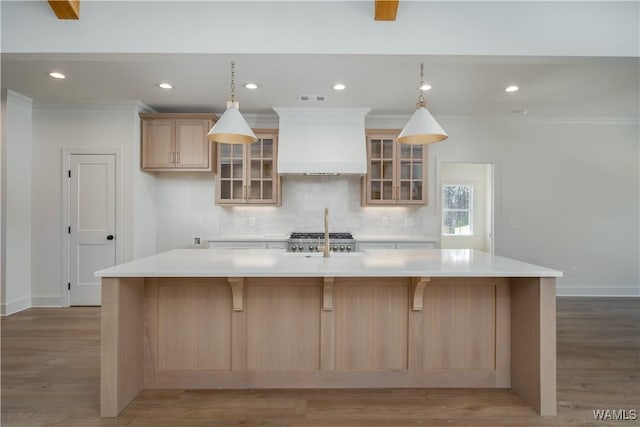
column 339, row 86
column 57, row 75
column 425, row 87
column 164, row 85
column 512, row 88
column 251, row 86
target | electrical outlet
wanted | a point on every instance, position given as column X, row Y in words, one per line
column 196, row 241
column 252, row 221
column 574, row 270
column 385, row 221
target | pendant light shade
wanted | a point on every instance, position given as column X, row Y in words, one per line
column 232, row 128
column 422, row 128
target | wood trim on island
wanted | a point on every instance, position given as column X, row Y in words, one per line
column 327, row 332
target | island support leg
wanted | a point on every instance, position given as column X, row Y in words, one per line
column 122, row 333
column 533, row 342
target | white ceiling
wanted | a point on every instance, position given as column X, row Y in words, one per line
column 387, row 84
column 564, row 64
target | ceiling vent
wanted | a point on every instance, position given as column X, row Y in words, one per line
column 312, row 98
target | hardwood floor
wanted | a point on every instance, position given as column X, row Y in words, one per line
column 51, row 368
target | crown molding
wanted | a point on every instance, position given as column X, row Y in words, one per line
column 16, row 97
column 395, row 121
column 134, row 106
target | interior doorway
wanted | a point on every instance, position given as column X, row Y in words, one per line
column 466, row 195
column 92, row 222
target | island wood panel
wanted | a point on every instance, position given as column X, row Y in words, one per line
column 288, row 334
column 150, row 331
column 401, row 378
column 194, row 324
column 122, row 356
column 283, row 323
column 458, row 326
column 533, row 342
column 503, row 333
column 371, row 323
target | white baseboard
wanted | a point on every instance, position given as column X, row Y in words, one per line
column 15, row 306
column 51, row 301
column 598, row 291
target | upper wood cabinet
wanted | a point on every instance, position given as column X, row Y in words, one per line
column 248, row 173
column 176, row 142
column 396, row 173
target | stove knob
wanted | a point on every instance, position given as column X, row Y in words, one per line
column 342, row 247
column 335, row 247
column 300, row 247
column 310, row 247
column 294, row 248
column 348, row 248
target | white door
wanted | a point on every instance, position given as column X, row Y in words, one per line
column 92, row 215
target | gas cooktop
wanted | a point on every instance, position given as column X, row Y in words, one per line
column 321, row 236
column 314, row 242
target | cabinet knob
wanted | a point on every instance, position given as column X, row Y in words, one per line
column 110, row 237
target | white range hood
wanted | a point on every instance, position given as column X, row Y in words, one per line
column 322, row 141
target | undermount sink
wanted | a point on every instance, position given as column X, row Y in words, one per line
column 319, row 254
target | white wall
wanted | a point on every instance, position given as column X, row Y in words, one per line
column 16, row 202
column 90, row 126
column 566, row 196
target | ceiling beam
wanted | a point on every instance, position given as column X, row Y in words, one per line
column 386, row 10
column 66, row 9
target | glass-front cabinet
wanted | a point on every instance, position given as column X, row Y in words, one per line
column 396, row 173
column 247, row 173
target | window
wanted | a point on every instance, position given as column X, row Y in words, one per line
column 457, row 210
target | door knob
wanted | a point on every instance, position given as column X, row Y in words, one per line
column 110, row 237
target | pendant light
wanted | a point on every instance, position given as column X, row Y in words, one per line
column 232, row 128
column 422, row 128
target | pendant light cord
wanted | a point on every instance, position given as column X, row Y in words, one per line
column 233, row 81
column 421, row 101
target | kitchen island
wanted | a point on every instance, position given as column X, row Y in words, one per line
column 205, row 318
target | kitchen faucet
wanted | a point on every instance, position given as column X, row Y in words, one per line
column 326, row 233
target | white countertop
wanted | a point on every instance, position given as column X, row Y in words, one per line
column 371, row 263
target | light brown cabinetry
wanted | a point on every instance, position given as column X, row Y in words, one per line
column 396, row 173
column 247, row 173
column 176, row 142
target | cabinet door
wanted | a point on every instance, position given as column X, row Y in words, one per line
column 231, row 187
column 415, row 245
column 158, row 144
column 237, row 245
column 192, row 145
column 363, row 246
column 262, row 177
column 380, row 182
column 410, row 187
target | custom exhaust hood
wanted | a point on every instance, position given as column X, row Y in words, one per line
column 322, row 141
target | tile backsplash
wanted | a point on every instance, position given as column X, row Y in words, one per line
column 186, row 208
